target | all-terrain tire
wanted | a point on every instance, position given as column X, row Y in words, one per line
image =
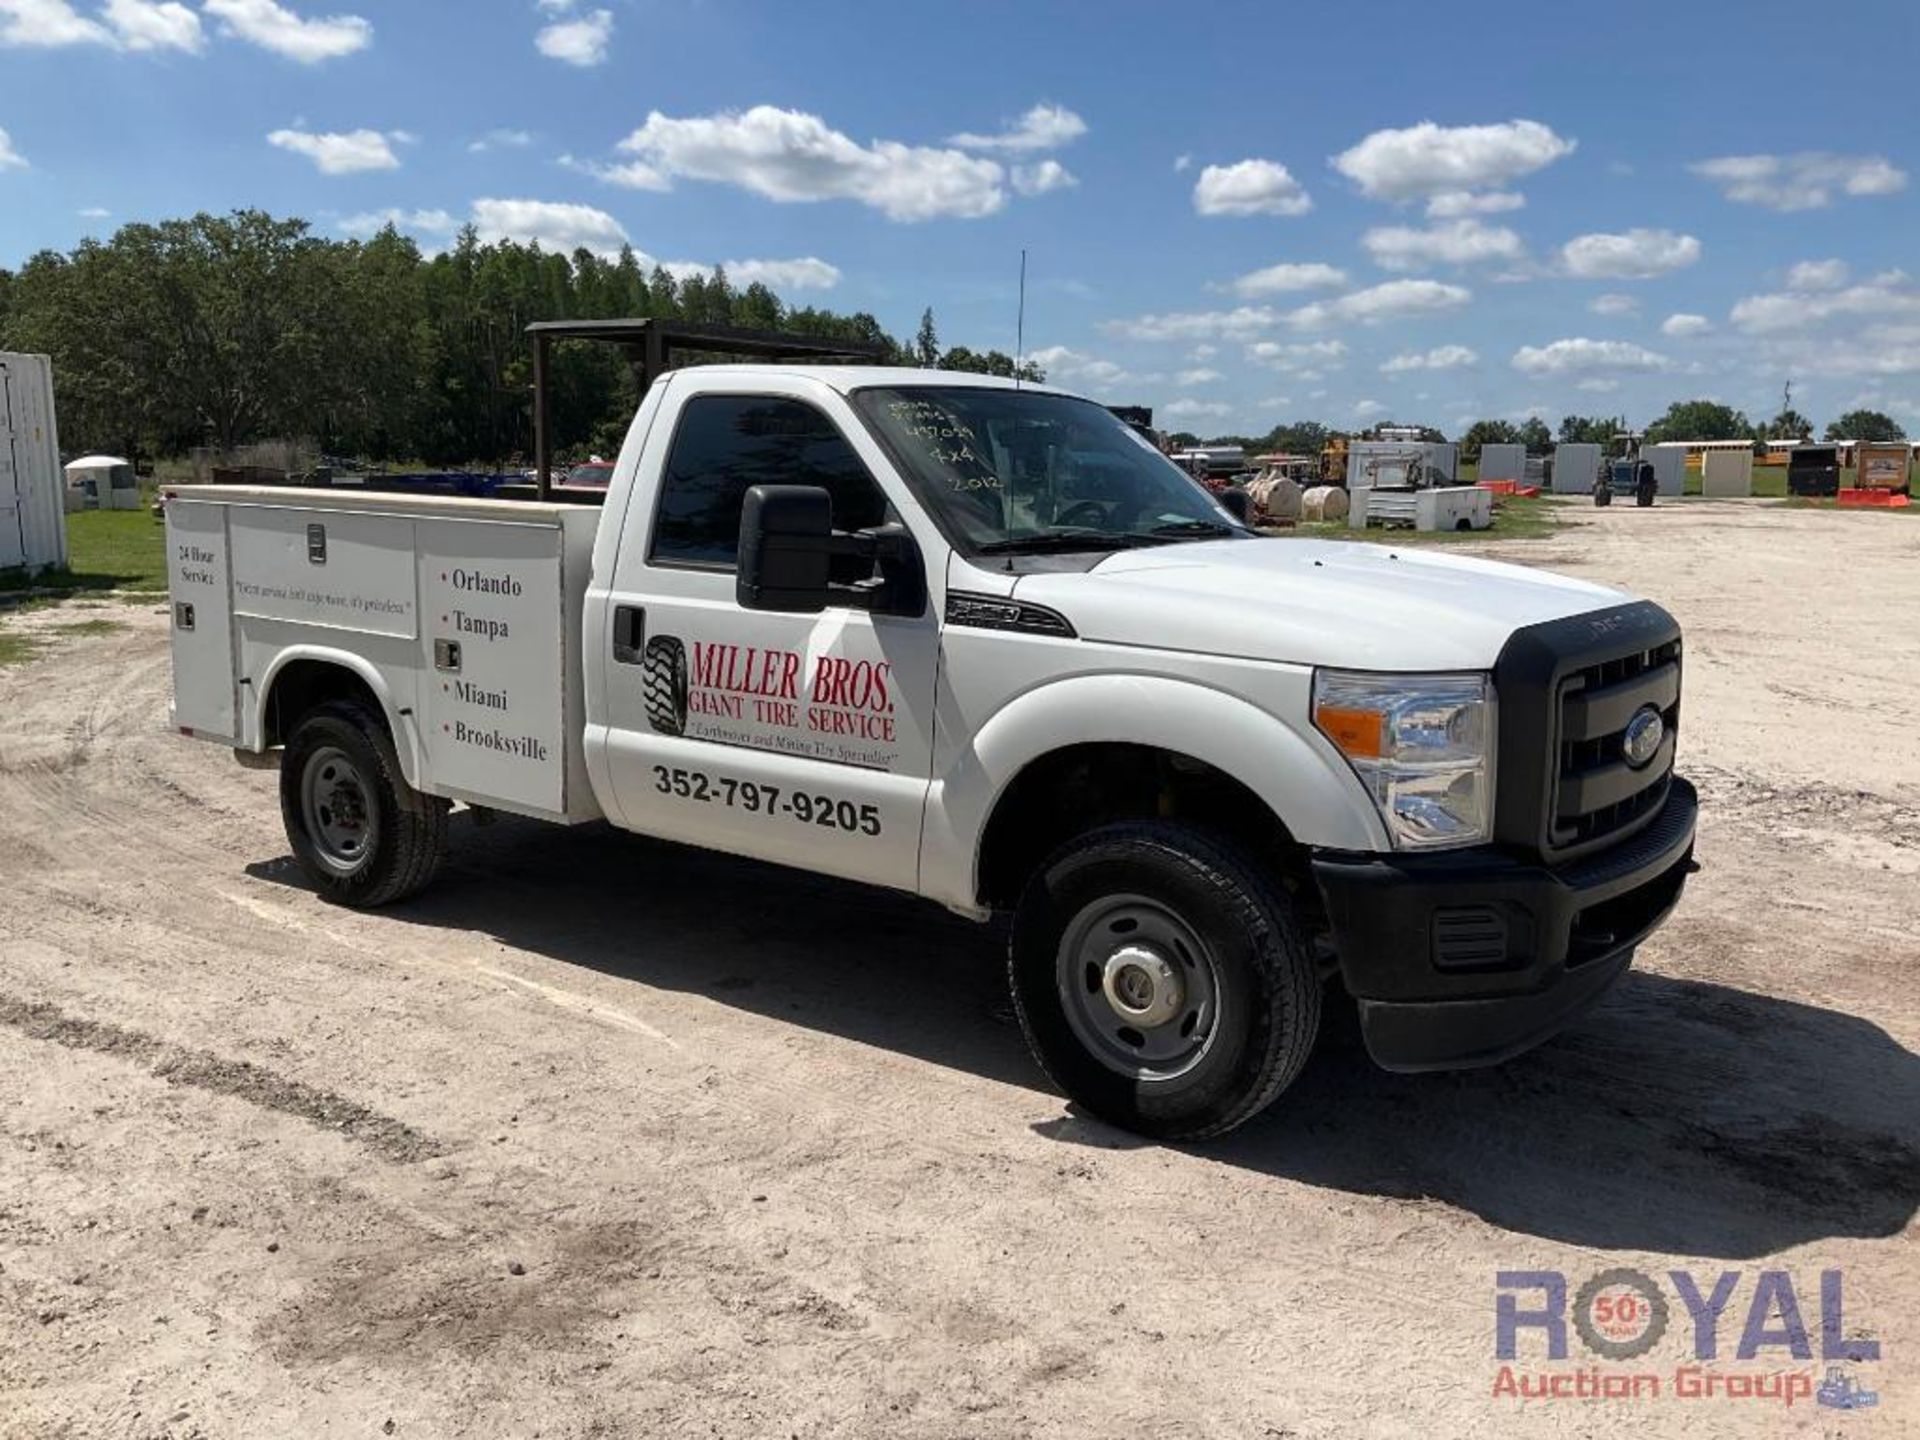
column 1268, row 993
column 664, row 681
column 406, row 830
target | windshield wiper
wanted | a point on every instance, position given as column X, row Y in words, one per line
column 1073, row 539
column 1192, row 527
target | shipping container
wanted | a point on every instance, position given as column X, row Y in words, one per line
column 33, row 521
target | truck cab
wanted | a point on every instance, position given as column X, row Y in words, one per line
column 977, row 640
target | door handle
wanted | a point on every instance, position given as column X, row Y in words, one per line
column 629, row 634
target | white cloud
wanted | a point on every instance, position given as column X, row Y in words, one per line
column 1682, row 325
column 340, row 154
column 1582, row 356
column 408, row 222
column 1808, row 180
column 1636, row 254
column 1251, row 187
column 1189, row 408
column 1062, row 364
column 1232, row 324
column 551, row 224
column 1818, row 275
column 501, row 140
column 1311, row 357
column 1181, row 162
column 10, row 158
column 1203, row 352
column 274, row 27
column 1613, row 303
column 1887, row 296
column 95, row 212
column 1452, row 204
column 1279, row 279
column 48, row 24
column 123, row 25
column 1597, row 386
column 1367, row 409
column 1394, row 300
column 1428, row 160
column 1442, row 357
column 628, row 174
column 1453, row 242
column 1043, row 177
column 1884, row 349
column 788, row 155
column 578, row 40
column 808, row 272
column 154, row 25
column 1044, row 127
column 1200, row 375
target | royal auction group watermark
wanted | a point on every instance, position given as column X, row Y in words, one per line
column 1748, row 1338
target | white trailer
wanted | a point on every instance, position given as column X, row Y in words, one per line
column 33, row 520
column 1446, row 507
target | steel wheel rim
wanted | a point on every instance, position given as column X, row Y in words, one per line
column 1140, row 988
column 337, row 809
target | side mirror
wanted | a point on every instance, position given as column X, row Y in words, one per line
column 1237, row 503
column 786, row 549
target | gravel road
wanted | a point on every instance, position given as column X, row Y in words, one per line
column 604, row 1138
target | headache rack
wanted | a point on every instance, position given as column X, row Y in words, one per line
column 653, row 347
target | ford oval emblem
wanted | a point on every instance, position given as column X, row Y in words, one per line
column 1644, row 732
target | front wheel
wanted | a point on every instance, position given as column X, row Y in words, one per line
column 1162, row 980
column 362, row 834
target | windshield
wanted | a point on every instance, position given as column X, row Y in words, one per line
column 1012, row 469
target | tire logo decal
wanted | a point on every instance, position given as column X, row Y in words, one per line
column 664, row 680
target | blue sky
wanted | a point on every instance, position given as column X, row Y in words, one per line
column 1238, row 214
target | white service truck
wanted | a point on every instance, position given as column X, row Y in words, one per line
column 979, row 641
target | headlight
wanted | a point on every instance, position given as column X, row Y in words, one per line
column 1422, row 746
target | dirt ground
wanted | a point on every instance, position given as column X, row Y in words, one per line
column 601, row 1137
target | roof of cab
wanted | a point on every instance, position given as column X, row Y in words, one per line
column 847, row 378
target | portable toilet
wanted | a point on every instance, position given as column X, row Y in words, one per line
column 33, row 520
column 1575, row 468
column 102, row 482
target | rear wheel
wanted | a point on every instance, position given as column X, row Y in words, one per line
column 361, row 833
column 1162, row 981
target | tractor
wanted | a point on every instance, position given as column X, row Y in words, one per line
column 1623, row 473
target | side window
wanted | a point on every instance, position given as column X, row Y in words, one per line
column 726, row 443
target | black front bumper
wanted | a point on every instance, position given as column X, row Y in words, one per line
column 1469, row 957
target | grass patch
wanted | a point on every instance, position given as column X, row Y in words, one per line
column 92, row 627
column 16, row 649
column 106, row 550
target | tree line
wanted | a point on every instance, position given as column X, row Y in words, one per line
column 225, row 330
column 1683, row 420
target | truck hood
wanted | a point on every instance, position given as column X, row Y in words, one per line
column 1313, row 602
